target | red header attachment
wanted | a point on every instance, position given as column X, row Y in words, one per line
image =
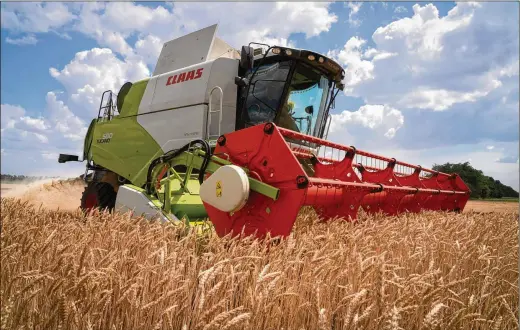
column 336, row 180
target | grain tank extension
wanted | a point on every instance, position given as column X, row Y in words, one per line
column 240, row 137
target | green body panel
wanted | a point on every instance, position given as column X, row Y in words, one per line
column 129, row 150
column 133, row 99
column 88, row 140
column 124, row 147
column 179, row 192
column 121, row 144
column 188, row 206
column 184, row 203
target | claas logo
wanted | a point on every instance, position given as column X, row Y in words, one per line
column 185, row 76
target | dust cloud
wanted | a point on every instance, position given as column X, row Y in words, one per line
column 49, row 193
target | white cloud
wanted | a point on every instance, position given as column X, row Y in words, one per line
column 66, row 115
column 63, row 119
column 49, row 155
column 58, row 129
column 100, row 22
column 352, row 16
column 507, row 160
column 274, row 26
column 442, row 99
column 357, row 69
column 25, row 40
column 35, row 17
column 379, row 118
column 31, row 124
column 42, row 138
column 464, row 66
column 455, row 77
column 434, row 62
column 490, row 147
column 400, row 9
column 10, row 114
column 89, row 66
column 112, row 24
column 92, row 72
column 149, row 48
column 17, row 135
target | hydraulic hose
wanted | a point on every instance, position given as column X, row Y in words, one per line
column 205, row 162
column 176, row 152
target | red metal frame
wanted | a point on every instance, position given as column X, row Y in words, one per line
column 335, row 189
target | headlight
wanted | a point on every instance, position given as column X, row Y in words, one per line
column 288, row 52
column 276, row 50
column 311, row 57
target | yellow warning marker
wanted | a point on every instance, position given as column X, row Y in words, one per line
column 219, row 189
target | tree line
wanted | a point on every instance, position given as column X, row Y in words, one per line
column 15, row 178
column 481, row 185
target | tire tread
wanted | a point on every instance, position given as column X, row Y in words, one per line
column 106, row 195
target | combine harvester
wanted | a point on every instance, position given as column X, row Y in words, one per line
column 240, row 138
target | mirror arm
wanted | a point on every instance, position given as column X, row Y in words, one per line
column 241, row 81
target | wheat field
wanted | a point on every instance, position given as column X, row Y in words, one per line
column 64, row 270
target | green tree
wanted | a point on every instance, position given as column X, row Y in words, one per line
column 481, row 186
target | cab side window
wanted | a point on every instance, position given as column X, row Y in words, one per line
column 265, row 93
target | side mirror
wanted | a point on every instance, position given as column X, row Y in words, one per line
column 241, row 82
column 67, row 158
column 246, row 58
column 309, row 109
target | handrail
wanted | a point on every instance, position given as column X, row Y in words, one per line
column 214, row 111
column 109, row 107
column 101, row 102
column 327, row 125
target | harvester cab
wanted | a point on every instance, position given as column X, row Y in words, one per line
column 240, row 137
column 292, row 88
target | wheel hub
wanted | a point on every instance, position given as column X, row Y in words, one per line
column 91, row 201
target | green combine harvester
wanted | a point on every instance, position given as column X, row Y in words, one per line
column 240, row 138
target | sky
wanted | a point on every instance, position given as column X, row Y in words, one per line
column 426, row 83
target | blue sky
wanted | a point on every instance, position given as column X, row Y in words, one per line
column 426, row 82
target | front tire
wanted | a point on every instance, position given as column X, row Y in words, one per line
column 98, row 195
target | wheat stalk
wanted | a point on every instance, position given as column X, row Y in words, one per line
column 65, row 270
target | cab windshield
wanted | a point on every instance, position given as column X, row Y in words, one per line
column 308, row 94
column 297, row 105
